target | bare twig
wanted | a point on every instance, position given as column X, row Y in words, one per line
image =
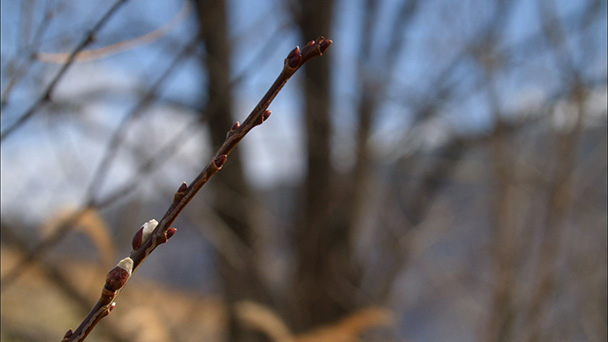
column 119, row 275
column 90, row 201
column 98, row 178
column 20, row 68
column 90, row 55
column 46, row 95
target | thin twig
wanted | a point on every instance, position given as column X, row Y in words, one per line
column 106, row 51
column 46, row 95
column 119, row 275
column 91, row 202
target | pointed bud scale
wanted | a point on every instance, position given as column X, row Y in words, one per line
column 118, row 276
column 171, row 232
column 220, row 160
column 324, row 44
column 294, row 58
column 68, row 334
column 294, row 52
column 310, row 43
column 232, row 129
column 138, row 239
column 263, row 117
column 294, row 61
column 180, row 192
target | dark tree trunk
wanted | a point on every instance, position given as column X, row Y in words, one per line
column 323, row 237
column 232, row 191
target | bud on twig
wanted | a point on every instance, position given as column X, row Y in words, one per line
column 233, row 129
column 166, row 236
column 264, row 117
column 315, row 48
column 220, row 160
column 146, row 229
column 171, row 232
column 324, row 44
column 118, row 276
column 67, row 335
column 180, row 192
column 294, row 58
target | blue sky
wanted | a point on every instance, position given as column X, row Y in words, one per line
column 431, row 41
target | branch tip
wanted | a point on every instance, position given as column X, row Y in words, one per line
column 315, row 48
column 324, row 44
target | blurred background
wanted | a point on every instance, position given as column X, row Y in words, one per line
column 438, row 175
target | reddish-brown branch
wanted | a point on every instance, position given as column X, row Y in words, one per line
column 185, row 193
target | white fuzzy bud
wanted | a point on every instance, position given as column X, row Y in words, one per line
column 126, row 264
column 143, row 233
column 148, row 228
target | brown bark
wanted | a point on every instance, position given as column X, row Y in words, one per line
column 322, row 240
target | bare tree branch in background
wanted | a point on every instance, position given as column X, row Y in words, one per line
column 90, row 201
column 46, row 95
column 559, row 190
column 17, row 69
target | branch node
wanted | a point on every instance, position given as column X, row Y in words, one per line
column 118, row 276
column 233, row 129
column 181, row 191
column 144, row 232
column 263, row 117
column 220, row 160
column 47, row 96
column 324, row 44
column 91, row 37
column 67, row 335
column 170, row 232
column 294, row 58
column 107, row 311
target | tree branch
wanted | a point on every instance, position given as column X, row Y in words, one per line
column 119, row 275
column 46, row 95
